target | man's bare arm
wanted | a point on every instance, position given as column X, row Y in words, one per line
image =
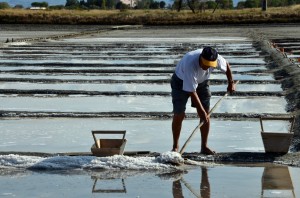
column 231, row 85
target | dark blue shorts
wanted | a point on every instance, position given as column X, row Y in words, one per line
column 180, row 97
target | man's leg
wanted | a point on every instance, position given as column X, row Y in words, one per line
column 179, row 100
column 176, row 128
column 204, row 137
column 205, row 95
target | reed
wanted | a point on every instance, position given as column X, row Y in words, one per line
column 151, row 17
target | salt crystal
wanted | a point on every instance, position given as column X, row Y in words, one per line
column 170, row 157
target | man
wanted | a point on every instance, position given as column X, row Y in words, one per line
column 190, row 79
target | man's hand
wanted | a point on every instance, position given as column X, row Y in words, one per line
column 204, row 117
column 200, row 110
column 231, row 85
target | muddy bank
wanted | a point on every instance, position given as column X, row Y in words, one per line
column 291, row 159
column 288, row 73
column 129, row 115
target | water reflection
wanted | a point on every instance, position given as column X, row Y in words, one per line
column 204, row 186
column 276, row 182
column 240, row 180
column 107, row 189
column 177, row 189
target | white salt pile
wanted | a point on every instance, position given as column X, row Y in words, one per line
column 170, row 157
column 87, row 162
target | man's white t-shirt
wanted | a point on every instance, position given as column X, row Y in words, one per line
column 189, row 70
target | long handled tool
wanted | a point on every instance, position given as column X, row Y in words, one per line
column 202, row 122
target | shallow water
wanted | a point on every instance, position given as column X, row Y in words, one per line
column 116, row 87
column 63, row 135
column 89, row 76
column 206, row 39
column 6, row 68
column 94, row 61
column 258, row 180
column 136, row 76
column 125, row 61
column 135, row 104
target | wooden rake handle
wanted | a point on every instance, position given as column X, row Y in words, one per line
column 202, row 122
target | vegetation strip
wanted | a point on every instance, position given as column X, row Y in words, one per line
column 151, row 17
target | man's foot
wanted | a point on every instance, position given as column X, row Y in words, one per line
column 207, row 151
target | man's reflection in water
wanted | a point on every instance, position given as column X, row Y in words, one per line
column 204, row 186
column 176, row 189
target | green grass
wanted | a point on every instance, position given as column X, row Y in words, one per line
column 151, row 17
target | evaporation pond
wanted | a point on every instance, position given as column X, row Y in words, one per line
column 74, row 134
column 136, row 104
